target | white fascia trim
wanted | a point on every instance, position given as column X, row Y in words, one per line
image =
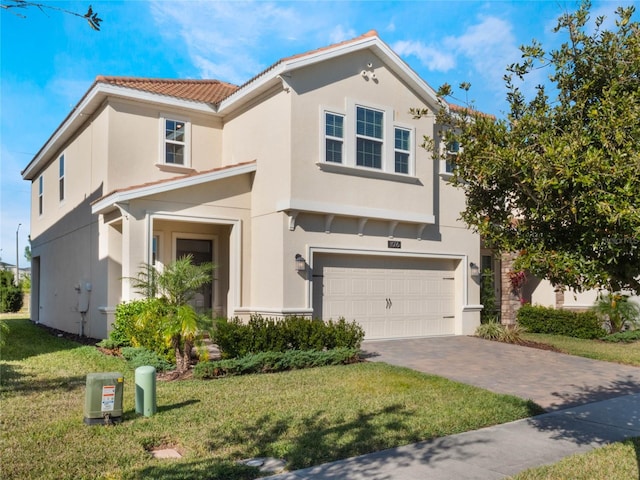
column 296, row 205
column 90, row 103
column 190, row 181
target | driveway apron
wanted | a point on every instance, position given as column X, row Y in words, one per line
column 553, row 380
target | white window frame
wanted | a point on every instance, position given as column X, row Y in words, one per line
column 409, row 152
column 349, row 154
column 61, row 175
column 326, row 137
column 40, row 195
column 447, row 164
column 186, row 143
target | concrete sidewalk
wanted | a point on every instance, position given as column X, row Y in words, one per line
column 493, row 452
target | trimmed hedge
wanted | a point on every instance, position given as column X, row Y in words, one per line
column 237, row 339
column 270, row 362
column 537, row 319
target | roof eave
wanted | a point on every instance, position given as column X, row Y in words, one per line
column 109, row 201
column 88, row 105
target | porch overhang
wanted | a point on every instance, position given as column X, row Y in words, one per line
column 111, row 201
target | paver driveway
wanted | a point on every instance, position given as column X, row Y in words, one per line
column 553, row 380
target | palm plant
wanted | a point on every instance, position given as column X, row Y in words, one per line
column 176, row 285
column 617, row 311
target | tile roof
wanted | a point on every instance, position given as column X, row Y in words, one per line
column 173, row 179
column 209, row 91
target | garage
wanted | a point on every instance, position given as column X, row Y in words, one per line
column 391, row 297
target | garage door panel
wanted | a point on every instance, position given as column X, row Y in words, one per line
column 389, row 297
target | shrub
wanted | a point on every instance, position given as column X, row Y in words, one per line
column 268, row 362
column 11, row 296
column 140, row 357
column 129, row 330
column 259, row 334
column 537, row 319
column 489, row 331
column 616, row 311
column 502, row 333
column 623, row 337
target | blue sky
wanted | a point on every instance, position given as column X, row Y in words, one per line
column 49, row 59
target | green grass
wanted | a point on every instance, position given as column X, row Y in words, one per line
column 625, row 353
column 307, row 417
column 616, row 461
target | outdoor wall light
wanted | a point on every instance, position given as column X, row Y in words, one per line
column 301, row 263
column 474, row 269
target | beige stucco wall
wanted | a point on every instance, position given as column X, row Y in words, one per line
column 288, row 168
column 135, row 143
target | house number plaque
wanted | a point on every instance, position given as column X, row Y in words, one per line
column 394, row 244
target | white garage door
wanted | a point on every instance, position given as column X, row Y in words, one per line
column 389, row 297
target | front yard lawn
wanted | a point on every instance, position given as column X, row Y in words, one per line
column 306, row 417
column 625, row 353
column 616, row 461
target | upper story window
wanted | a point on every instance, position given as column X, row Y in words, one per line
column 367, row 137
column 40, row 194
column 453, row 148
column 402, row 150
column 176, row 138
column 334, row 137
column 61, row 178
column 175, row 141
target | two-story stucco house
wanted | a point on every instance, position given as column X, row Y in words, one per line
column 306, row 186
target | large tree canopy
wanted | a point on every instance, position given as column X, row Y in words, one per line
column 558, row 180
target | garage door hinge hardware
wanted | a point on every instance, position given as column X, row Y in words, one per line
column 389, row 302
column 317, row 276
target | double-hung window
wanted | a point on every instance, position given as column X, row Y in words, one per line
column 40, row 194
column 369, row 137
column 175, row 139
column 334, row 137
column 402, row 150
column 61, row 178
column 175, row 142
column 453, row 148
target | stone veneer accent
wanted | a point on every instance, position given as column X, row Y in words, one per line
column 509, row 302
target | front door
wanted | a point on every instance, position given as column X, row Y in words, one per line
column 202, row 252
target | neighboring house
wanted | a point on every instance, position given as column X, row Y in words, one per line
column 306, row 186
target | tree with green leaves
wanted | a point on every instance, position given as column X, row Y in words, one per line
column 556, row 181
column 175, row 285
column 18, row 6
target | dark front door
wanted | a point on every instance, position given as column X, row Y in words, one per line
column 202, row 252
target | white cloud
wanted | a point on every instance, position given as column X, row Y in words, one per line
column 489, row 46
column 340, row 34
column 434, row 58
column 225, row 40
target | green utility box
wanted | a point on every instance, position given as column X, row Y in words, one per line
column 103, row 398
column 146, row 391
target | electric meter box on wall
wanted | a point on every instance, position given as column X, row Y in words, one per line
column 103, row 398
